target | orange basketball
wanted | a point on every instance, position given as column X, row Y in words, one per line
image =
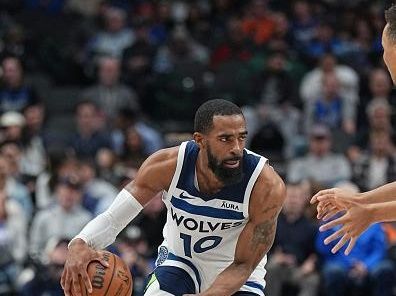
column 115, row 280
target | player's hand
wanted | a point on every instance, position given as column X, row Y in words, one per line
column 355, row 220
column 333, row 201
column 78, row 258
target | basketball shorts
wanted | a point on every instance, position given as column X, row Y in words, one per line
column 171, row 280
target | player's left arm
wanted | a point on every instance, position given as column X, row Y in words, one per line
column 258, row 235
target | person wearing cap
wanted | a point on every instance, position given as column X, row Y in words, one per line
column 64, row 219
column 320, row 164
column 12, row 124
column 377, row 205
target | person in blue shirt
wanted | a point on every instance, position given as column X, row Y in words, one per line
column 366, row 267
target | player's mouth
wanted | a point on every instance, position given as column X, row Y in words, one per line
column 232, row 164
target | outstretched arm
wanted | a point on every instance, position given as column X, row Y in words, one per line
column 256, row 238
column 154, row 176
column 334, row 200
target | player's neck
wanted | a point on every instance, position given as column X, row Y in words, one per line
column 207, row 181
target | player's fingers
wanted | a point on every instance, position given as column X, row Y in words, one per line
column 76, row 284
column 68, row 285
column 334, row 236
column 350, row 245
column 63, row 278
column 101, row 258
column 340, row 243
column 322, row 194
column 331, row 224
column 87, row 281
column 331, row 214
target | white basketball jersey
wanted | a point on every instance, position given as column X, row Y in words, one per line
column 201, row 231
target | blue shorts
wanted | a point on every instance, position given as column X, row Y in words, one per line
column 172, row 280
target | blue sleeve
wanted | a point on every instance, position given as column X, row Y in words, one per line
column 377, row 245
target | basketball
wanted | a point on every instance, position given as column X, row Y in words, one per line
column 115, row 280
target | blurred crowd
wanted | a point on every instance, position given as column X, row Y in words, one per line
column 89, row 89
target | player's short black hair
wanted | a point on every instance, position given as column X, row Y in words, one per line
column 203, row 121
column 390, row 17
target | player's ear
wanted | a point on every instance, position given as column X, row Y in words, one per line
column 199, row 139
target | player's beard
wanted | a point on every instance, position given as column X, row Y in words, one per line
column 228, row 176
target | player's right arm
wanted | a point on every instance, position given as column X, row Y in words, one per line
column 154, row 175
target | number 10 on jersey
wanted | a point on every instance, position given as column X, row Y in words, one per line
column 202, row 245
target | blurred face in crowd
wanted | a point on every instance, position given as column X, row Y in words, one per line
column 86, row 172
column 295, row 201
column 328, row 63
column 12, row 72
column 330, row 86
column 87, row 117
column 380, row 144
column 12, row 153
column 68, row 196
column 34, row 117
column 380, row 84
column 320, row 145
column 389, row 53
column 115, row 19
column 109, row 71
column 379, row 118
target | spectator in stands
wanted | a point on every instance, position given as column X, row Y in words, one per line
column 180, row 49
column 320, row 164
column 331, row 108
column 258, row 23
column 366, row 269
column 380, row 88
column 379, row 120
column 137, row 61
column 109, row 93
column 12, row 124
column 311, row 84
column 13, row 242
column 378, row 165
column 97, row 193
column 114, row 38
column 303, row 25
column 64, row 219
column 133, row 248
column 14, row 93
column 35, row 141
column 90, row 136
column 9, row 154
column 126, row 118
column 292, row 261
column 47, row 274
column 108, row 167
column 235, row 46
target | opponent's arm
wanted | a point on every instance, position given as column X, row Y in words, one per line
column 154, row 175
column 381, row 194
column 258, row 235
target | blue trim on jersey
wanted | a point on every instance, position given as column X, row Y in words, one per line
column 205, row 210
column 172, row 256
column 234, row 192
column 254, row 285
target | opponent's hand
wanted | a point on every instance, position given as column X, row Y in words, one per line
column 355, row 220
column 333, row 201
column 78, row 258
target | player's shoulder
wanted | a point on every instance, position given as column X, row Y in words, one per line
column 268, row 184
column 164, row 158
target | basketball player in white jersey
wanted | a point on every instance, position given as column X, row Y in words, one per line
column 223, row 203
column 378, row 205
